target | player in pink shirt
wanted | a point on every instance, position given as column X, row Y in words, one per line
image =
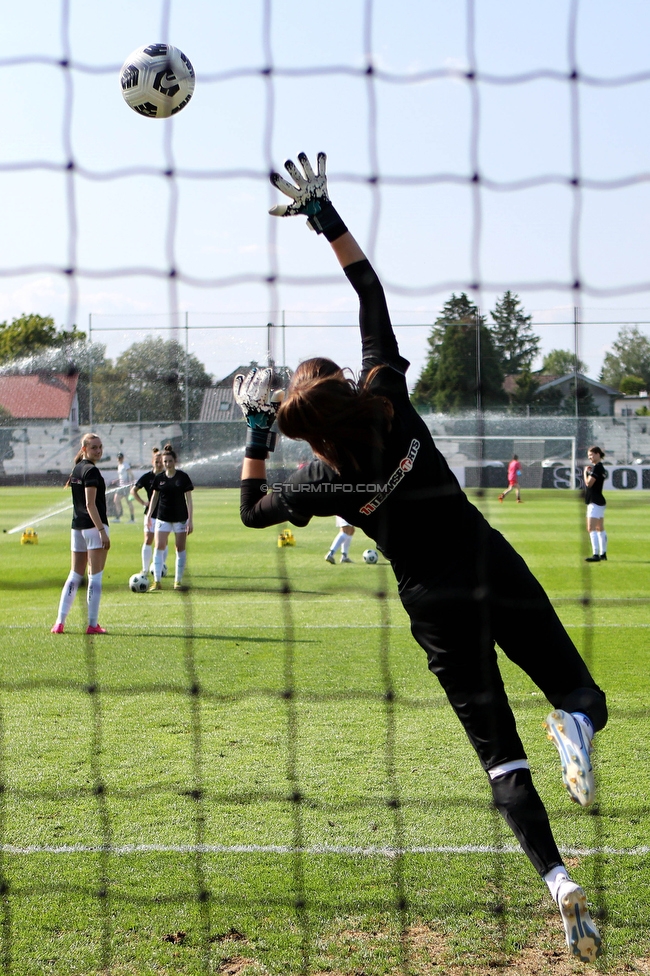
column 514, row 473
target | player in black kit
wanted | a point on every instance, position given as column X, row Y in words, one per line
column 595, row 475
column 377, row 466
column 172, row 495
column 90, row 542
column 146, row 481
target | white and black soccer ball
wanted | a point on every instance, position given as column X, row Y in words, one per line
column 157, row 80
column 371, row 556
column 164, row 570
column 138, row 583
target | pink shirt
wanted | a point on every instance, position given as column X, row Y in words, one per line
column 514, row 469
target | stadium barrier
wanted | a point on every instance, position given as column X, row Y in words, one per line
column 212, row 451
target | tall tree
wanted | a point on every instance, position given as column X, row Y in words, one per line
column 448, row 380
column 147, row 382
column 630, row 357
column 515, row 343
column 560, row 362
column 29, row 334
column 450, row 377
column 457, row 379
column 425, row 388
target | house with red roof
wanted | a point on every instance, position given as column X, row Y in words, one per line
column 41, row 398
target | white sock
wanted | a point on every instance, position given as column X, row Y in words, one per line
column 602, row 542
column 338, row 542
column 345, row 545
column 94, row 596
column 555, row 878
column 158, row 560
column 594, row 542
column 68, row 594
column 165, row 555
column 181, row 559
column 147, row 555
column 585, row 724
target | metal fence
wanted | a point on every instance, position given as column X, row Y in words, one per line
column 478, row 449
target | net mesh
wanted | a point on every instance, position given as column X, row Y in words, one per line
column 101, row 888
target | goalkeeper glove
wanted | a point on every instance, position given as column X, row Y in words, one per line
column 259, row 406
column 309, row 197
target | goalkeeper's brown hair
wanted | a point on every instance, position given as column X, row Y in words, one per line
column 333, row 413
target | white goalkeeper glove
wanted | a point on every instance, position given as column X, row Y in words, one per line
column 309, row 197
column 259, row 405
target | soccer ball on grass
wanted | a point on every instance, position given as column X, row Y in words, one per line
column 371, row 556
column 138, row 583
column 157, row 80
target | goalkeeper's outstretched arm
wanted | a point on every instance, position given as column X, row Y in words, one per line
column 309, row 196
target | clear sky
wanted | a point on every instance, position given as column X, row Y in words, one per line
column 520, row 124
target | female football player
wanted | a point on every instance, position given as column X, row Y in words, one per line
column 124, row 480
column 377, row 466
column 514, row 474
column 172, row 497
column 341, row 541
column 595, row 475
column 90, row 541
column 146, row 481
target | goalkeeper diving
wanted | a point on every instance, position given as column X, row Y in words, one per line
column 376, row 466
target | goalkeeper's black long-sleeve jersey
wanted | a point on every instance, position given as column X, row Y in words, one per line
column 403, row 496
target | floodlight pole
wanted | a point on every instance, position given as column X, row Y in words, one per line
column 90, row 370
column 479, row 399
column 270, row 358
column 576, row 343
column 478, row 363
column 187, row 356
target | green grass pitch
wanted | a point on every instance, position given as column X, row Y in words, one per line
column 174, row 730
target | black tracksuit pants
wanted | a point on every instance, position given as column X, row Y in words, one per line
column 484, row 597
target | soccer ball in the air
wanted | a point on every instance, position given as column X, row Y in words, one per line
column 157, row 80
column 371, row 556
column 139, row 583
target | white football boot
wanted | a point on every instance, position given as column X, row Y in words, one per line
column 574, row 748
column 582, row 936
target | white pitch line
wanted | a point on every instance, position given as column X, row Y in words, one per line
column 389, row 852
column 203, row 630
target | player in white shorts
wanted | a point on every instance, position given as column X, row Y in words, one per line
column 341, row 541
column 89, row 538
column 172, row 495
column 124, row 480
column 595, row 475
column 146, row 481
